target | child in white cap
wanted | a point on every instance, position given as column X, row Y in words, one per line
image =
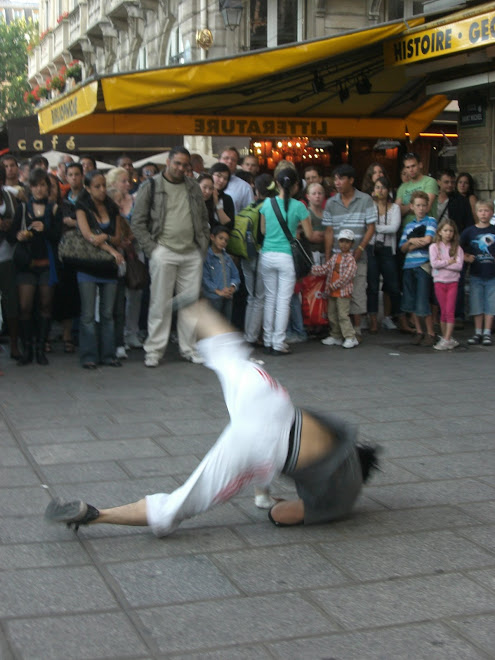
column 340, row 270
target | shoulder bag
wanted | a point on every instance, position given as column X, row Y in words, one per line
column 302, row 261
column 75, row 251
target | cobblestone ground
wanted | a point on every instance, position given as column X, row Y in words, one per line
column 410, row 575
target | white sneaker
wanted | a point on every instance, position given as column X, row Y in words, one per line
column 453, row 343
column 331, row 341
column 133, row 341
column 256, row 361
column 151, row 360
column 442, row 345
column 120, row 353
column 388, row 324
column 194, row 357
column 264, row 501
column 350, row 342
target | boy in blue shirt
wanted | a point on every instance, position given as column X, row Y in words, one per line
column 220, row 275
column 478, row 243
column 416, row 284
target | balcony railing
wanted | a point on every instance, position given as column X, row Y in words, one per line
column 78, row 22
column 34, row 62
column 96, row 12
column 60, row 38
column 46, row 48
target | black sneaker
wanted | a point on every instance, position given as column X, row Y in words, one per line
column 76, row 512
column 487, row 340
column 475, row 339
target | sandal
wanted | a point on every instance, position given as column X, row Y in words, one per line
column 89, row 365
column 74, row 513
column 69, row 346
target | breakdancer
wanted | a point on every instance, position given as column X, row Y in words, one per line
column 266, row 436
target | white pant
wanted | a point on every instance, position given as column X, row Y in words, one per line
column 256, row 296
column 251, row 450
column 279, row 277
column 171, row 271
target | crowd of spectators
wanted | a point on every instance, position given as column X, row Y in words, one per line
column 184, row 225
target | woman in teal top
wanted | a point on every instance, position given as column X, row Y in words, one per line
column 277, row 266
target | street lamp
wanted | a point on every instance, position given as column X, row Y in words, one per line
column 231, row 11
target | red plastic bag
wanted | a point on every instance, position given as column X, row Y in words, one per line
column 314, row 305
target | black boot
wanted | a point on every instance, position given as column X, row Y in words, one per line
column 26, row 334
column 44, row 329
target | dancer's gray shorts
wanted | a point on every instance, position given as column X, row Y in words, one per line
column 330, row 486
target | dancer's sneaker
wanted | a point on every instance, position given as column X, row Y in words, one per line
column 264, row 501
column 74, row 513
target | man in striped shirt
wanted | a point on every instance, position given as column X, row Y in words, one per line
column 354, row 210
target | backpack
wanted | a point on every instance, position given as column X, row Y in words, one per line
column 245, row 238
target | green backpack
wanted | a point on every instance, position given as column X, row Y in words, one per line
column 245, row 239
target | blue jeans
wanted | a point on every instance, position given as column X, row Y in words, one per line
column 416, row 291
column 93, row 345
column 296, row 323
column 223, row 306
column 382, row 262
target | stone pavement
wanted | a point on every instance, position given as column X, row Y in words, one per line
column 410, row 575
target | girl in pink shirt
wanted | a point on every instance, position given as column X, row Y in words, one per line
column 446, row 258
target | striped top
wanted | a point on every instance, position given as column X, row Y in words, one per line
column 420, row 255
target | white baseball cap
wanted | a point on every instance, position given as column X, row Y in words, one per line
column 348, row 234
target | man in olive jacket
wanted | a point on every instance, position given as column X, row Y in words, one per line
column 171, row 227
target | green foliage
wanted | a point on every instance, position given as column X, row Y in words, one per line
column 13, row 67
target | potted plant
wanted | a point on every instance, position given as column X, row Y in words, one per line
column 57, row 84
column 30, row 96
column 74, row 70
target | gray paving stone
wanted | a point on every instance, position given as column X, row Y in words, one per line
column 478, row 629
column 45, row 591
column 421, row 642
column 79, row 472
column 18, row 476
column 359, row 525
column 445, row 443
column 404, row 600
column 30, row 529
column 181, row 542
column 35, row 555
column 6, row 439
column 279, row 569
column 485, row 577
column 390, row 473
column 429, row 493
column 47, row 436
column 144, row 467
column 12, row 457
column 82, row 637
column 103, row 494
column 407, row 554
column 22, row 500
column 466, row 464
column 122, row 431
column 196, row 426
column 483, row 536
column 53, row 419
column 92, row 451
column 152, row 582
column 396, row 413
column 402, row 430
column 398, row 447
column 208, row 626
column 232, row 653
column 481, row 511
column 197, row 445
column 5, row 649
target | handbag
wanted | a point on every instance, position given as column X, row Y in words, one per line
column 314, row 302
column 22, row 254
column 302, row 261
column 75, row 251
column 136, row 276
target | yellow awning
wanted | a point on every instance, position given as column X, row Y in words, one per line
column 298, row 90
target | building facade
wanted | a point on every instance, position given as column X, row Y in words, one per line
column 110, row 36
column 14, row 10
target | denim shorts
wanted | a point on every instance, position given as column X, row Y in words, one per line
column 481, row 296
column 416, row 291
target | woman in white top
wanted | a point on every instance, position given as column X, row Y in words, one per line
column 381, row 255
